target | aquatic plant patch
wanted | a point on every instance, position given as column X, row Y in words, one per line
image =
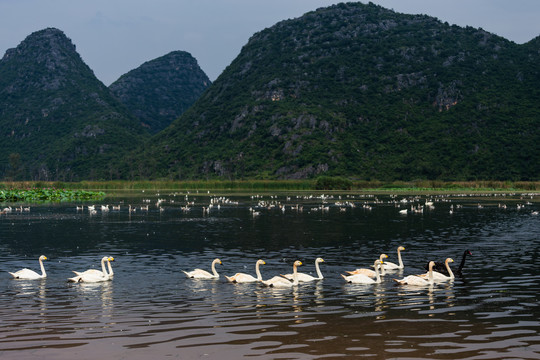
column 47, row 194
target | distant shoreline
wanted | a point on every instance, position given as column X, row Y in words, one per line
column 287, row 185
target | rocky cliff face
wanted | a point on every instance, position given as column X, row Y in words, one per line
column 159, row 91
column 361, row 91
column 57, row 120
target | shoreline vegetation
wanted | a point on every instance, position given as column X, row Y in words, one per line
column 78, row 190
column 46, row 194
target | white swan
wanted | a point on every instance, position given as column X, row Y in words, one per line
column 437, row 276
column 391, row 266
column 27, row 274
column 203, row 274
column 279, row 281
column 93, row 275
column 101, row 272
column 369, row 272
column 246, row 278
column 417, row 280
column 364, row 279
column 306, row 277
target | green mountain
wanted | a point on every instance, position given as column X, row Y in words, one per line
column 160, row 90
column 361, row 91
column 57, row 120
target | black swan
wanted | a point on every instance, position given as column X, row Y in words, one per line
column 441, row 267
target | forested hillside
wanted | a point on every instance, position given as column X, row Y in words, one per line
column 57, row 120
column 361, row 91
column 160, row 90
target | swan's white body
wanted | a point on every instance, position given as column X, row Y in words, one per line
column 93, row 275
column 364, row 279
column 246, row 278
column 281, row 282
column 392, row 266
column 417, row 280
column 101, row 272
column 369, row 272
column 27, row 274
column 203, row 274
column 306, row 277
column 437, row 276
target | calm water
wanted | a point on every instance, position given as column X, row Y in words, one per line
column 150, row 309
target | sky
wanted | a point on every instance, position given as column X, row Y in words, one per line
column 116, row 36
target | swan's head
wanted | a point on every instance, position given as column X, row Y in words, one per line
column 43, row 257
column 110, row 258
column 468, row 252
column 319, row 260
column 383, row 256
column 449, row 260
column 378, row 262
column 401, row 248
column 217, row 261
column 297, row 263
column 261, row 262
column 431, row 265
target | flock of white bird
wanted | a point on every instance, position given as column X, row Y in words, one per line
column 406, row 205
column 89, row 276
column 357, row 276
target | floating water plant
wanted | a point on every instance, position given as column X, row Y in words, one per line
column 47, row 194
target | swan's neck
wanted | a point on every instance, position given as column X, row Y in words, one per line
column 377, row 275
column 449, row 270
column 103, row 267
column 43, row 273
column 430, row 276
column 214, row 269
column 462, row 261
column 111, row 273
column 258, row 271
column 319, row 273
column 295, row 275
column 399, row 258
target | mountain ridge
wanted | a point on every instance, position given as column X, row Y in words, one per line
column 352, row 90
column 160, row 90
column 360, row 91
column 58, row 121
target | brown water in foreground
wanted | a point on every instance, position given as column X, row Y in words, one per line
column 151, row 310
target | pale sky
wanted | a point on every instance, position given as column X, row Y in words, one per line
column 116, row 36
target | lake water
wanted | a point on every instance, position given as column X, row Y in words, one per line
column 150, row 310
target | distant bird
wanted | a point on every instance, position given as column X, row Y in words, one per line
column 364, row 279
column 369, row 272
column 437, row 276
column 27, row 274
column 281, row 282
column 245, row 278
column 102, row 272
column 203, row 274
column 417, row 280
column 441, row 266
column 306, row 277
column 392, row 266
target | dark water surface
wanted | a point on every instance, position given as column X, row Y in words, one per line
column 150, row 310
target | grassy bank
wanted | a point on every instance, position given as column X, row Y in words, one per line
column 282, row 185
